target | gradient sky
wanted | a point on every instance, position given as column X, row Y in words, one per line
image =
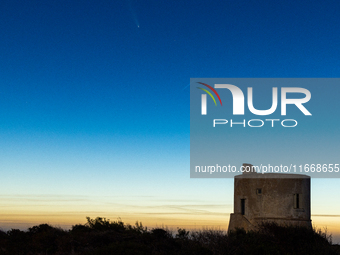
column 94, row 102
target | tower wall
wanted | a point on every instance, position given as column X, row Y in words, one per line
column 280, row 198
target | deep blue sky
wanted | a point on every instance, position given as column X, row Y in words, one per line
column 90, row 103
column 85, row 67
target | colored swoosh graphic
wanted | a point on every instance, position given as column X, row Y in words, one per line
column 209, row 94
column 212, row 90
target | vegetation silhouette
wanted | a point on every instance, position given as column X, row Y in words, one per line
column 102, row 236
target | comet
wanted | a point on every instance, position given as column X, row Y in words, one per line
column 133, row 13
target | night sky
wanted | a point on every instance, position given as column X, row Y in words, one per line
column 95, row 102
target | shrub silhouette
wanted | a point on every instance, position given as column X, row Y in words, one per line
column 160, row 233
column 45, row 238
column 102, row 224
column 138, row 228
column 182, row 233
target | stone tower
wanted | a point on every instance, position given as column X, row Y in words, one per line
column 270, row 197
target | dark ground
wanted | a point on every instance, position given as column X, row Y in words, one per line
column 101, row 236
